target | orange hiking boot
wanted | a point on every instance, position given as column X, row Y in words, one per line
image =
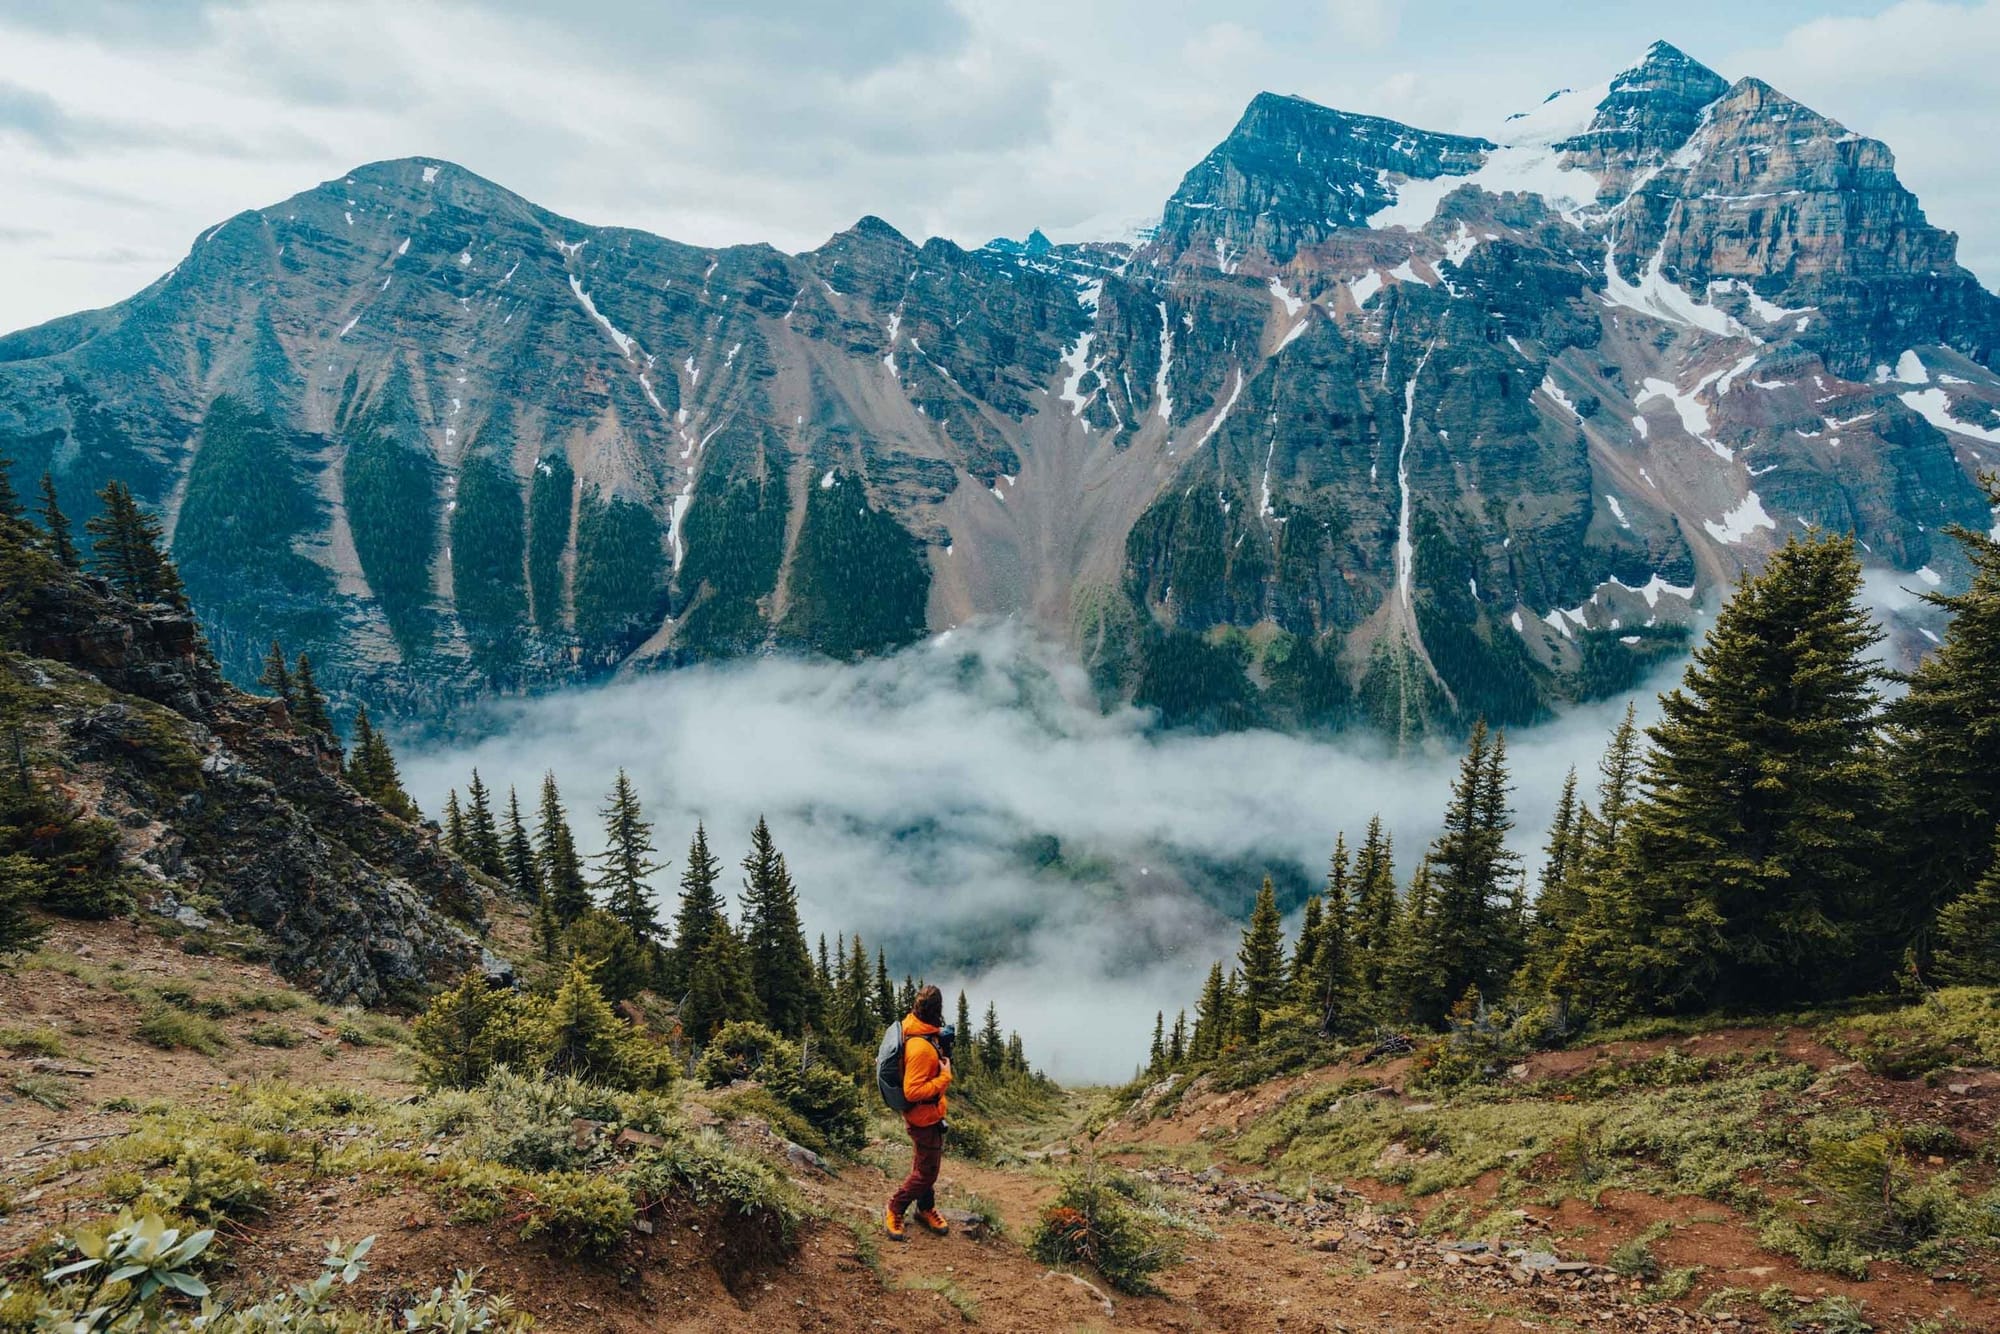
column 934, row 1220
column 894, row 1225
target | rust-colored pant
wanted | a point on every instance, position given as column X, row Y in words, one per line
column 929, row 1157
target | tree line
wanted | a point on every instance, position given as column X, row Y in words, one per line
column 1787, row 834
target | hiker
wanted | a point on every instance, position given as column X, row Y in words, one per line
column 926, row 1075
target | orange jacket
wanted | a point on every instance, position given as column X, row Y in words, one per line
column 924, row 1077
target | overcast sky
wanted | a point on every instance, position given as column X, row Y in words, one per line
column 126, row 128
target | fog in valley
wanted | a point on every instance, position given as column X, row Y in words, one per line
column 967, row 805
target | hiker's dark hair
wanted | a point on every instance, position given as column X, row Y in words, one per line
column 929, row 1006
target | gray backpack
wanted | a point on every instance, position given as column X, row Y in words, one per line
column 889, row 1068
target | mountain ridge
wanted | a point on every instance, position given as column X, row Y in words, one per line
column 517, row 450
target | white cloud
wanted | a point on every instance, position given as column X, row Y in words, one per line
column 904, row 791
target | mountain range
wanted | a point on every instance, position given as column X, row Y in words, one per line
column 1377, row 425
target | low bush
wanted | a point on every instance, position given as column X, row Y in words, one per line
column 171, row 1029
column 31, row 1041
column 821, row 1095
column 1093, row 1223
column 582, row 1213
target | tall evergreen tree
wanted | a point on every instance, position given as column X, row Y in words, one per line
column 855, row 1002
column 454, row 825
column 276, row 677
column 963, row 1024
column 13, row 518
column 1472, row 919
column 55, row 527
column 524, row 875
column 1559, row 898
column 626, row 863
column 699, row 910
column 1177, row 1042
column 128, row 551
column 555, row 853
column 310, row 713
column 1376, row 908
column 1156, row 1059
column 888, row 1006
column 1745, row 872
column 482, row 835
column 1211, row 1016
column 1417, row 968
column 1968, row 933
column 719, row 987
column 1305, row 947
column 992, row 1047
column 1262, row 959
column 1945, row 751
column 774, row 941
column 1329, row 985
column 371, row 769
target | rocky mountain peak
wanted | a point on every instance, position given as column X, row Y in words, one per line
column 1646, row 114
column 1291, row 173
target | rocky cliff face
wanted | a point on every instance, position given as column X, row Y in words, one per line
column 224, row 815
column 1378, row 422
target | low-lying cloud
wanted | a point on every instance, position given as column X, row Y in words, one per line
column 967, row 805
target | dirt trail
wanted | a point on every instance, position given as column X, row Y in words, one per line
column 1254, row 1258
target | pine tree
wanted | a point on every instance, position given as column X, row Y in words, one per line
column 1304, row 948
column 55, row 527
column 962, row 1024
column 992, row 1047
column 1559, row 900
column 626, row 862
column 856, row 1003
column 823, row 969
column 555, row 852
column 1472, row 919
column 1968, row 933
column 1156, row 1059
column 128, row 553
column 276, row 677
column 13, row 518
column 311, row 714
column 1328, row 987
column 1744, row 873
column 1262, row 958
column 1177, row 1043
column 888, row 1008
column 482, row 835
column 1945, row 750
column 1211, row 1017
column 1017, row 1055
column 719, row 987
column 586, row 1035
column 1417, row 968
column 774, row 942
column 371, row 769
column 524, row 876
column 699, row 910
column 454, row 824
column 1375, row 927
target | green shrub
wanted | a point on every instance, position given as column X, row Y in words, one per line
column 1090, row 1222
column 1868, row 1203
column 825, row 1098
column 31, row 1041
column 756, row 1216
column 1635, row 1259
column 174, row 1030
column 582, row 1213
column 274, row 1035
